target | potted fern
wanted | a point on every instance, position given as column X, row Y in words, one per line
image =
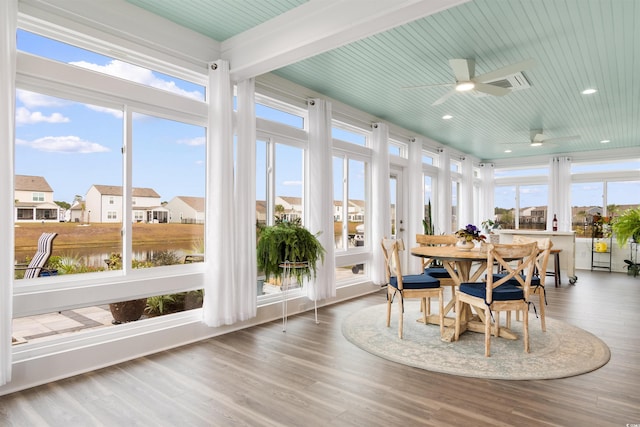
column 288, row 241
column 627, row 226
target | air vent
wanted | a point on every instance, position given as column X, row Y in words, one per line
column 514, row 82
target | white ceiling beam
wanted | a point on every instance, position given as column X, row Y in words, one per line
column 316, row 27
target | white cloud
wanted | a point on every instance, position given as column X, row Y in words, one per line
column 118, row 114
column 26, row 117
column 32, row 99
column 64, row 144
column 193, row 141
column 137, row 74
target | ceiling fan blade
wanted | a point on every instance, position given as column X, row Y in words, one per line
column 463, row 69
column 491, row 89
column 505, row 71
column 427, row 86
column 444, row 97
column 562, row 139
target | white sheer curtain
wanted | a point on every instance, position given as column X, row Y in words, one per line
column 8, row 19
column 320, row 195
column 245, row 206
column 487, row 192
column 219, row 306
column 416, row 202
column 465, row 204
column 560, row 193
column 380, row 216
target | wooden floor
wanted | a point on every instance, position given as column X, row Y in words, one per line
column 311, row 376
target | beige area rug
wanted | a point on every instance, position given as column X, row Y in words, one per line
column 562, row 351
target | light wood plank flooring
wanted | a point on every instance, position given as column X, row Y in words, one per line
column 311, row 376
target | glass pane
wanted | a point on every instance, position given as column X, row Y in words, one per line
column 428, row 224
column 348, row 136
column 455, row 196
column 621, row 196
column 261, row 182
column 632, row 165
column 393, row 186
column 64, row 151
column 505, row 211
column 427, row 159
column 533, row 207
column 289, row 183
column 276, row 115
column 586, row 200
column 48, row 326
column 167, row 197
column 62, row 52
column 356, row 202
column 339, row 218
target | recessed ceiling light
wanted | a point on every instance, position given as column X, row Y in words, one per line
column 605, row 141
column 589, row 91
column 447, row 117
column 507, row 151
column 536, row 144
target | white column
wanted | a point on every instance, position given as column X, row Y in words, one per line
column 416, row 202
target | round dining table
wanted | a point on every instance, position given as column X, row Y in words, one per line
column 463, row 266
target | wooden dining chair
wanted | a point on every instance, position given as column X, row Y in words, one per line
column 494, row 296
column 540, row 271
column 428, row 266
column 415, row 286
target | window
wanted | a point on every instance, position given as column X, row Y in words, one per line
column 280, row 115
column 347, row 133
column 65, row 53
column 84, row 142
column 279, row 189
column 168, row 175
column 521, row 197
column 111, row 200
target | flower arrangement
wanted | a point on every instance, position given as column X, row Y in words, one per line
column 469, row 233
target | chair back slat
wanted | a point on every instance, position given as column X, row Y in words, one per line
column 390, row 250
column 42, row 255
column 544, row 251
column 504, row 255
column 434, row 240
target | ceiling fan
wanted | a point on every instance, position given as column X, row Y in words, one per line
column 538, row 138
column 466, row 80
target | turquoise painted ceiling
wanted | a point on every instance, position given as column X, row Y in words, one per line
column 576, row 44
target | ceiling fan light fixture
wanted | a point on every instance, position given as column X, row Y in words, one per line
column 536, row 144
column 465, row 86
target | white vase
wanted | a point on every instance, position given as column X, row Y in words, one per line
column 464, row 245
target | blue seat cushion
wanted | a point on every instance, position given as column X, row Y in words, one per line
column 437, row 272
column 535, row 280
column 506, row 292
column 416, row 281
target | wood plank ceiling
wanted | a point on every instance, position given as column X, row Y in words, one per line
column 576, row 44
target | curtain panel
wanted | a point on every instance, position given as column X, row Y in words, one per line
column 220, row 299
column 380, row 215
column 246, row 270
column 560, row 193
column 320, row 195
column 8, row 19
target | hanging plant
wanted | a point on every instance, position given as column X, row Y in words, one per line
column 627, row 226
column 288, row 241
